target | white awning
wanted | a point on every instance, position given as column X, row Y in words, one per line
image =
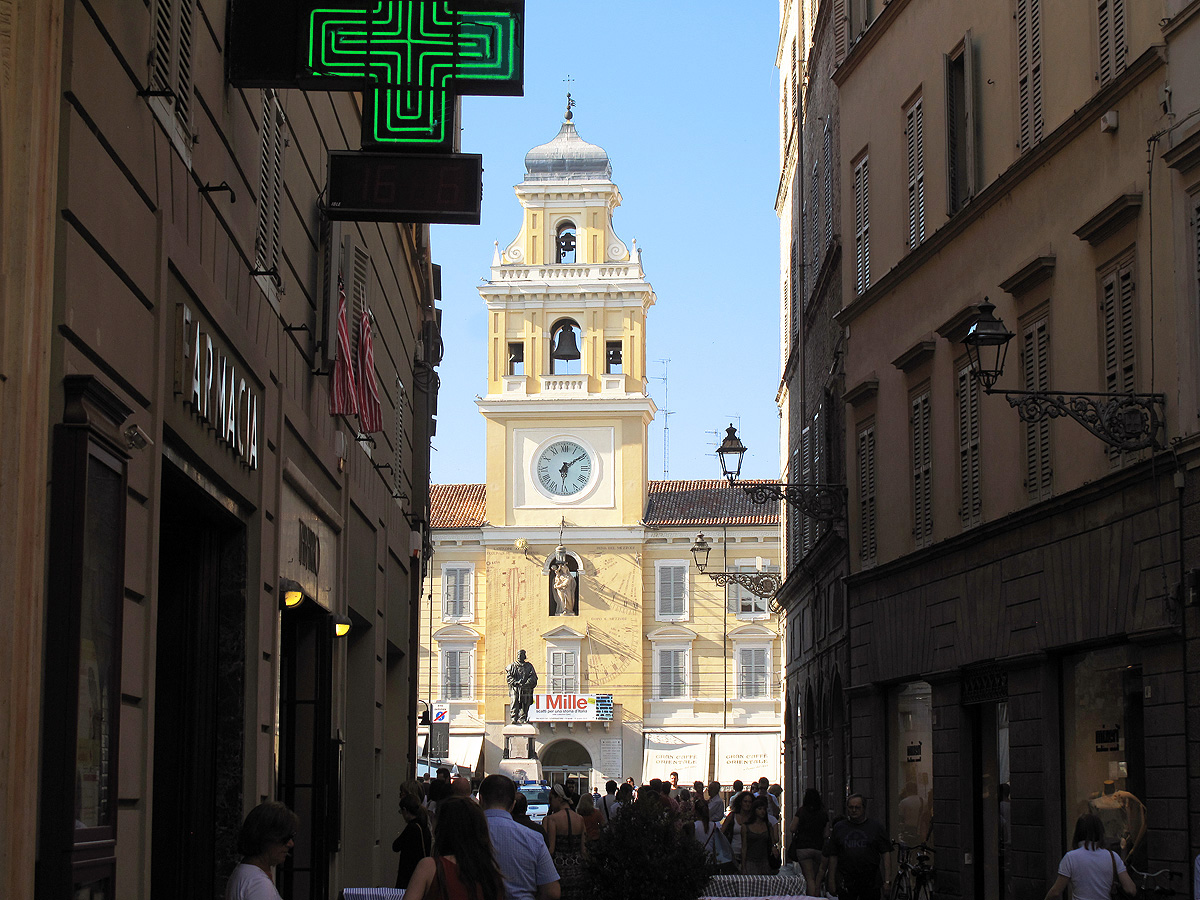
column 680, row 752
column 464, row 751
column 747, row 757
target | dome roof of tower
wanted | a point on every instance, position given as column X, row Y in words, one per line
column 567, row 158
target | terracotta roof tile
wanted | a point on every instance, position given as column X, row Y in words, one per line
column 710, row 502
column 457, row 505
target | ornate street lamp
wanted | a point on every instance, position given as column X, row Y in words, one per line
column 825, row 502
column 730, row 453
column 1126, row 421
column 761, row 584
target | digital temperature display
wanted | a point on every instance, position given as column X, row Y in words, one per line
column 442, row 188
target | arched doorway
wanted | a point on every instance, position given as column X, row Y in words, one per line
column 568, row 763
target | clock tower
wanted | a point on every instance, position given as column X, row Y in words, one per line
column 567, row 409
column 569, row 559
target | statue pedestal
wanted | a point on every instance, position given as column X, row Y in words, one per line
column 518, row 741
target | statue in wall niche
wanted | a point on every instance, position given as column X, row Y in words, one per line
column 522, row 679
column 565, row 590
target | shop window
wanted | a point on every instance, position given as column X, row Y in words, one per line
column 910, row 714
column 613, row 358
column 82, row 675
column 516, row 358
column 1103, row 748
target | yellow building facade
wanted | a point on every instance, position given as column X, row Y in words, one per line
column 570, row 553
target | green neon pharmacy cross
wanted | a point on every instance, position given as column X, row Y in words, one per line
column 419, row 54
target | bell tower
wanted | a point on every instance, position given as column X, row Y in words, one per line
column 566, row 406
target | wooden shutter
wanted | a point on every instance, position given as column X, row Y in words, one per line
column 922, row 470
column 827, row 165
column 171, row 56
column 358, row 273
column 457, row 591
column 671, row 587
column 266, row 242
column 1117, row 315
column 970, row 468
column 862, row 227
column 841, row 13
column 1029, row 71
column 1117, row 305
column 671, row 673
column 814, row 221
column 806, row 477
column 1035, row 366
column 916, row 174
column 866, row 495
column 1110, row 20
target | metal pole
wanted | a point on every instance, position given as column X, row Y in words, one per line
column 725, row 625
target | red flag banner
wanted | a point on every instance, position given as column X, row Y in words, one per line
column 370, row 413
column 343, row 398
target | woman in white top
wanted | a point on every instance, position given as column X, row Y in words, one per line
column 267, row 837
column 1089, row 868
column 736, row 821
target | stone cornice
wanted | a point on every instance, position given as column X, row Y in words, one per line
column 1028, row 164
column 590, row 406
column 1029, row 275
column 868, row 39
column 1019, row 520
column 1110, row 220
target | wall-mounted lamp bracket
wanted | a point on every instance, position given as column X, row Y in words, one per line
column 824, row 502
column 216, row 188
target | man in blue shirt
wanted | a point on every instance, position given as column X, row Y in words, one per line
column 524, row 861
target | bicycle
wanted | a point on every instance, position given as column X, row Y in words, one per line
column 914, row 878
column 1148, row 885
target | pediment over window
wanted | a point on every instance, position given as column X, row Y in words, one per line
column 563, row 633
column 671, row 633
column 456, row 633
column 752, row 633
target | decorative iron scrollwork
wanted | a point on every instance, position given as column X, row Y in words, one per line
column 761, row 584
column 1124, row 421
column 824, row 502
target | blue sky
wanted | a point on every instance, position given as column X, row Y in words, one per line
column 683, row 97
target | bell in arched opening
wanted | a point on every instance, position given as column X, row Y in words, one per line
column 566, row 345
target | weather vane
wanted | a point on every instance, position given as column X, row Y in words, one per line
column 570, row 102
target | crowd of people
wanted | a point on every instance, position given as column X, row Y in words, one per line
column 460, row 844
column 465, row 842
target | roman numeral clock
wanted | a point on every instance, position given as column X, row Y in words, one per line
column 564, row 468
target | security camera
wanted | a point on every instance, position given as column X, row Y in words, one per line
column 137, row 439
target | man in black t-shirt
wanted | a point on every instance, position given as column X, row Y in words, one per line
column 859, row 850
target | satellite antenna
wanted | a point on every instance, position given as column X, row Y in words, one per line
column 666, row 414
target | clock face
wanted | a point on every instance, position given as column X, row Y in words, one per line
column 563, row 468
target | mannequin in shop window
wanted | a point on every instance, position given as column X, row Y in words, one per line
column 1124, row 818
